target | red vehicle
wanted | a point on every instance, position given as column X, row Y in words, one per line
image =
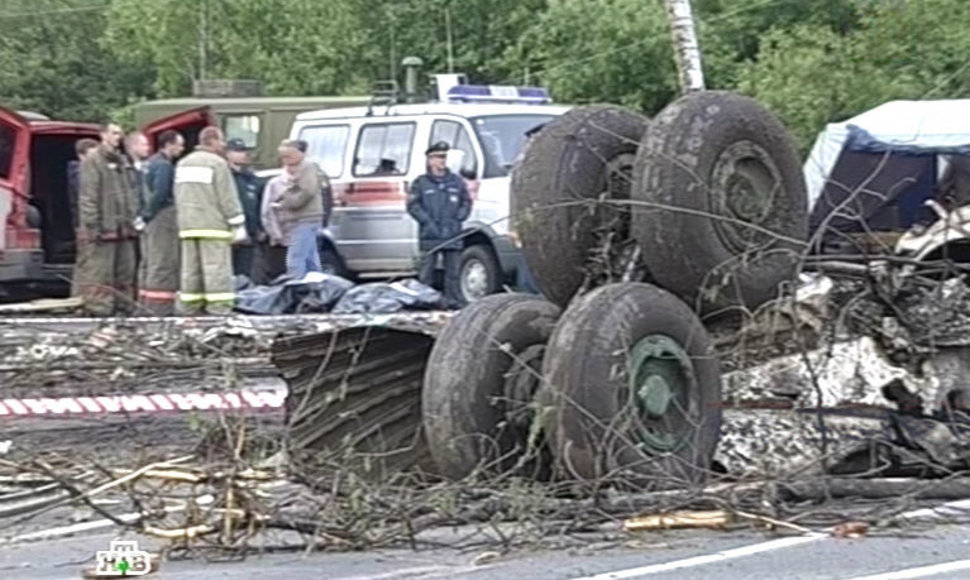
column 37, row 240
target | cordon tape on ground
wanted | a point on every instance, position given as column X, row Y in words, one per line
column 247, row 399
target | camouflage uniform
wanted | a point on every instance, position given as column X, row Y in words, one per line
column 105, row 275
column 208, row 209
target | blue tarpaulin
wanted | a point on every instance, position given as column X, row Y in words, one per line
column 874, row 172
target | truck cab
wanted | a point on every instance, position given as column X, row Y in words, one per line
column 37, row 238
column 260, row 122
column 373, row 154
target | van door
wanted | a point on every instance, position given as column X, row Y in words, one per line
column 327, row 146
column 248, row 127
column 189, row 123
column 376, row 232
column 14, row 192
column 465, row 158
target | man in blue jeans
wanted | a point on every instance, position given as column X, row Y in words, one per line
column 299, row 209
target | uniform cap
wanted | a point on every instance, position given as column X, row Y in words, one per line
column 439, row 147
column 236, row 145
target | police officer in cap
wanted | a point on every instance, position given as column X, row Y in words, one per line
column 249, row 187
column 440, row 202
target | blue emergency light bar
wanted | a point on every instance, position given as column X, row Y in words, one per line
column 498, row 94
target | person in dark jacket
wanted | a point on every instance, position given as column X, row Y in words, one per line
column 82, row 148
column 106, row 209
column 249, row 187
column 138, row 149
column 159, row 283
column 440, row 202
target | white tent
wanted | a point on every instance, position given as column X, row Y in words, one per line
column 939, row 126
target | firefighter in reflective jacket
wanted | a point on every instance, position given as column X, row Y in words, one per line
column 210, row 220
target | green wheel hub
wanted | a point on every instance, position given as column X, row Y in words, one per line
column 661, row 381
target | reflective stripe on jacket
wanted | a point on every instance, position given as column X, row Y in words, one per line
column 206, row 200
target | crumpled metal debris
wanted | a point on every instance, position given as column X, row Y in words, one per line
column 768, row 443
column 848, row 372
column 939, row 316
column 811, row 442
column 848, row 401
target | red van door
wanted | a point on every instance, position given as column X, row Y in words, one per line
column 189, row 123
column 14, row 189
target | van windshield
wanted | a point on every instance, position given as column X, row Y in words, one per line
column 502, row 136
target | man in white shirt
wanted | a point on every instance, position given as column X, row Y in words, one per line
column 272, row 251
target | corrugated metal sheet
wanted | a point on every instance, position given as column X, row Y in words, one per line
column 355, row 398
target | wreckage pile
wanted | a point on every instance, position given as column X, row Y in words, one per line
column 865, row 377
column 87, row 356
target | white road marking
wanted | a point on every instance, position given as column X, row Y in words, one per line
column 742, row 552
column 942, row 512
column 83, row 527
column 922, row 572
column 420, row 572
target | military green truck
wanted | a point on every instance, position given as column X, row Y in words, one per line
column 239, row 108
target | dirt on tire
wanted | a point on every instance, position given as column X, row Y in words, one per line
column 595, row 421
column 725, row 163
column 571, row 160
column 464, row 405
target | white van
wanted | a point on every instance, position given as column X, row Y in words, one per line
column 373, row 154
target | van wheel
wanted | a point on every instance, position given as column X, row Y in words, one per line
column 634, row 388
column 480, row 273
column 331, row 263
column 482, row 377
column 733, row 168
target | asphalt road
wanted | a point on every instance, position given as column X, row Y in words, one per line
column 941, row 552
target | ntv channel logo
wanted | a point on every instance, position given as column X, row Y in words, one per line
column 123, row 558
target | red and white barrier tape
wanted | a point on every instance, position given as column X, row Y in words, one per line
column 143, row 403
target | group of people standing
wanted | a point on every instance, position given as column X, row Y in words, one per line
column 178, row 229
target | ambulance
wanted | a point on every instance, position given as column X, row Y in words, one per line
column 372, row 154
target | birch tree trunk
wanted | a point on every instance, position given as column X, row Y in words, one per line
column 687, row 53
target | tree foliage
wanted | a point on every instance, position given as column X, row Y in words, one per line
column 51, row 61
column 295, row 46
column 595, row 50
column 812, row 62
column 812, row 74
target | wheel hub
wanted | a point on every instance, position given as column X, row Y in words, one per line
column 661, row 380
column 474, row 280
column 656, row 395
column 744, row 185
